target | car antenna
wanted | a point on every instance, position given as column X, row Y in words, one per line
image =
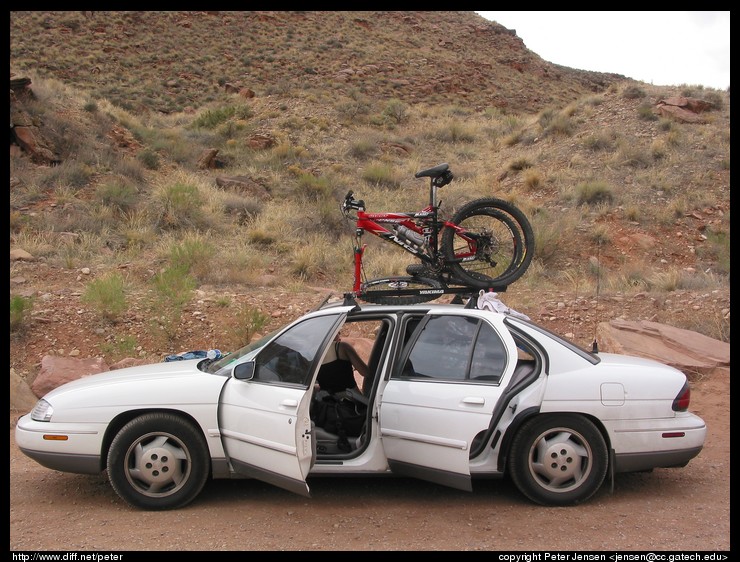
column 322, row 303
column 595, row 344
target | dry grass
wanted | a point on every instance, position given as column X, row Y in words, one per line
column 583, row 159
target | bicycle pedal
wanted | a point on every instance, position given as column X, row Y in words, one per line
column 416, row 269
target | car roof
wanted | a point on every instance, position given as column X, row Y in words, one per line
column 386, row 308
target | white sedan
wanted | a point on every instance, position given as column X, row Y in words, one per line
column 453, row 393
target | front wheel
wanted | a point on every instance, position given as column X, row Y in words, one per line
column 158, row 461
column 558, row 459
column 489, row 244
column 400, row 290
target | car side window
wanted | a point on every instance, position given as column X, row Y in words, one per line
column 457, row 348
column 442, row 349
column 489, row 356
column 290, row 356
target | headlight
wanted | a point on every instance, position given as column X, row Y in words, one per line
column 42, row 411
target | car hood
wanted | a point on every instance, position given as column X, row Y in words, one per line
column 165, row 370
column 156, row 385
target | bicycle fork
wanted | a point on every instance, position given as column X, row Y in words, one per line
column 359, row 250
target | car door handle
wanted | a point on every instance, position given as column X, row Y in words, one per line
column 289, row 403
column 474, row 401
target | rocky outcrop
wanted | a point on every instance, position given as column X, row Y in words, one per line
column 208, row 159
column 688, row 351
column 22, row 398
column 685, row 110
column 24, row 133
column 55, row 371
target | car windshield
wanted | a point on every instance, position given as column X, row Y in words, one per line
column 224, row 365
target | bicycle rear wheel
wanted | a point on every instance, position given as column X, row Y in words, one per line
column 400, row 290
column 493, row 246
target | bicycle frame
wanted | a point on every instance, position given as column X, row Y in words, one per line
column 425, row 223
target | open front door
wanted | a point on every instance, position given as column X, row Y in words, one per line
column 443, row 396
column 265, row 421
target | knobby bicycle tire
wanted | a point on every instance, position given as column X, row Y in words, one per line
column 505, row 243
column 379, row 291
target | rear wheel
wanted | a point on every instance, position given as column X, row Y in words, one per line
column 381, row 291
column 492, row 246
column 558, row 459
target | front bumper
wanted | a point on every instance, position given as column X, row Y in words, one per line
column 65, row 447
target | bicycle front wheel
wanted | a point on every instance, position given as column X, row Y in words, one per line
column 491, row 244
column 400, row 290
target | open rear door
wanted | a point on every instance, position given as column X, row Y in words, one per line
column 432, row 408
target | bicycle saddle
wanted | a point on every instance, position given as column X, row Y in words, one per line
column 435, row 172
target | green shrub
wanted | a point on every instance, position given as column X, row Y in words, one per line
column 633, row 92
column 561, row 125
column 381, row 175
column 193, row 255
column 313, row 188
column 646, row 112
column 118, row 193
column 179, row 206
column 119, row 347
column 546, row 117
column 20, row 308
column 519, row 164
column 248, row 322
column 634, row 156
column 363, row 148
column 212, row 118
column 602, row 140
column 715, row 99
column 396, row 110
column 106, row 295
column 593, row 193
column 173, row 288
column 174, row 285
column 455, row 131
column 149, row 159
column 532, row 179
column 716, row 247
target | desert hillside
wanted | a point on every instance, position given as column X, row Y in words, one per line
column 175, row 177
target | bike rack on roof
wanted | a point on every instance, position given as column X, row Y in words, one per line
column 350, row 298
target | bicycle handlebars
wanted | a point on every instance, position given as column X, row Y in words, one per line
column 440, row 176
column 352, row 203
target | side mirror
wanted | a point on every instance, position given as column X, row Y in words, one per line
column 244, row 371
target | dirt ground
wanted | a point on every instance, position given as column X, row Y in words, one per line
column 678, row 510
column 686, row 509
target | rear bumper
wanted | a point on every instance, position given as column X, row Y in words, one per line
column 633, row 462
column 667, row 443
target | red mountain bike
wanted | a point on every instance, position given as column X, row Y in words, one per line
column 488, row 244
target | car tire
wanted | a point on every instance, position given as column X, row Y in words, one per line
column 158, row 461
column 558, row 460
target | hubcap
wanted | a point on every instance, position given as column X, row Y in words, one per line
column 157, row 465
column 560, row 460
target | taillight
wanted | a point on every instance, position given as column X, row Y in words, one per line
column 681, row 401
